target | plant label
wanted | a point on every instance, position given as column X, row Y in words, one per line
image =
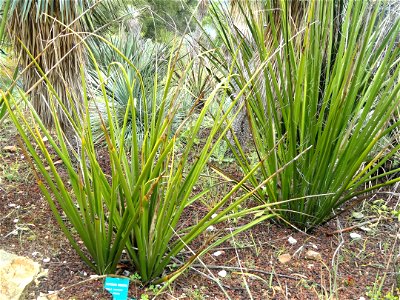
column 117, row 287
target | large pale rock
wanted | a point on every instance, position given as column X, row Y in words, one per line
column 16, row 273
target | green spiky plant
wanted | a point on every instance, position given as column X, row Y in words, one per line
column 328, row 83
column 139, row 203
column 147, row 58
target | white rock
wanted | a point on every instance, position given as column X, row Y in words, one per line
column 218, row 253
column 292, row 240
column 210, row 228
column 357, row 215
column 46, row 260
column 366, row 229
column 222, row 273
column 213, row 216
column 355, row 236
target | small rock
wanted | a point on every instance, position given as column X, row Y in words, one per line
column 58, row 162
column 222, row 273
column 357, row 215
column 10, row 149
column 277, row 288
column 310, row 266
column 218, row 253
column 213, row 216
column 313, row 255
column 46, row 260
column 126, row 273
column 355, row 236
column 284, row 258
column 292, row 240
column 366, row 229
column 210, row 228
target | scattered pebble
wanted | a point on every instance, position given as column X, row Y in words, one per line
column 313, row 255
column 46, row 260
column 10, row 148
column 357, row 215
column 35, row 253
column 355, row 236
column 213, row 216
column 284, row 258
column 218, row 253
column 126, row 273
column 292, row 240
column 310, row 266
column 277, row 288
column 16, row 220
column 366, row 229
column 210, row 228
column 222, row 273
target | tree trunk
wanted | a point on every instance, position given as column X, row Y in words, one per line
column 50, row 40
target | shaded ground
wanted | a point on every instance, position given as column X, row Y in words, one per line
column 349, row 268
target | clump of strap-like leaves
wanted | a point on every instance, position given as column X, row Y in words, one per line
column 320, row 77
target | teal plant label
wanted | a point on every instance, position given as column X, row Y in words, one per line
column 117, row 287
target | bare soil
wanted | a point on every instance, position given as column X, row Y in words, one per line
column 348, row 269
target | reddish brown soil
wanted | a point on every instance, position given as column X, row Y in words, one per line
column 348, row 269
